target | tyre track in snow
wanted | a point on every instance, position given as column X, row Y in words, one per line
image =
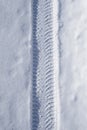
column 45, row 106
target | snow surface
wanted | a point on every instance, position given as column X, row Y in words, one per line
column 73, row 64
column 45, row 113
column 15, row 64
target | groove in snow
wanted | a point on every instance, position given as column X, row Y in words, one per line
column 45, row 104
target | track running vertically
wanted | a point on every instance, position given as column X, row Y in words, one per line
column 45, row 102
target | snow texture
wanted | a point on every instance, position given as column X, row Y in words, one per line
column 14, row 64
column 43, row 64
column 73, row 64
column 45, row 87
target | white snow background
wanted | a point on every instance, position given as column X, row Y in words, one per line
column 15, row 48
column 73, row 64
column 15, row 42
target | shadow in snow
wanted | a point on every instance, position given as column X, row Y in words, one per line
column 35, row 100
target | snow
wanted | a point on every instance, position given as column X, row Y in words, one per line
column 73, row 64
column 45, row 87
column 56, row 63
column 16, row 65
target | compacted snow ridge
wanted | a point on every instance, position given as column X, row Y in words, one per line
column 45, row 113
